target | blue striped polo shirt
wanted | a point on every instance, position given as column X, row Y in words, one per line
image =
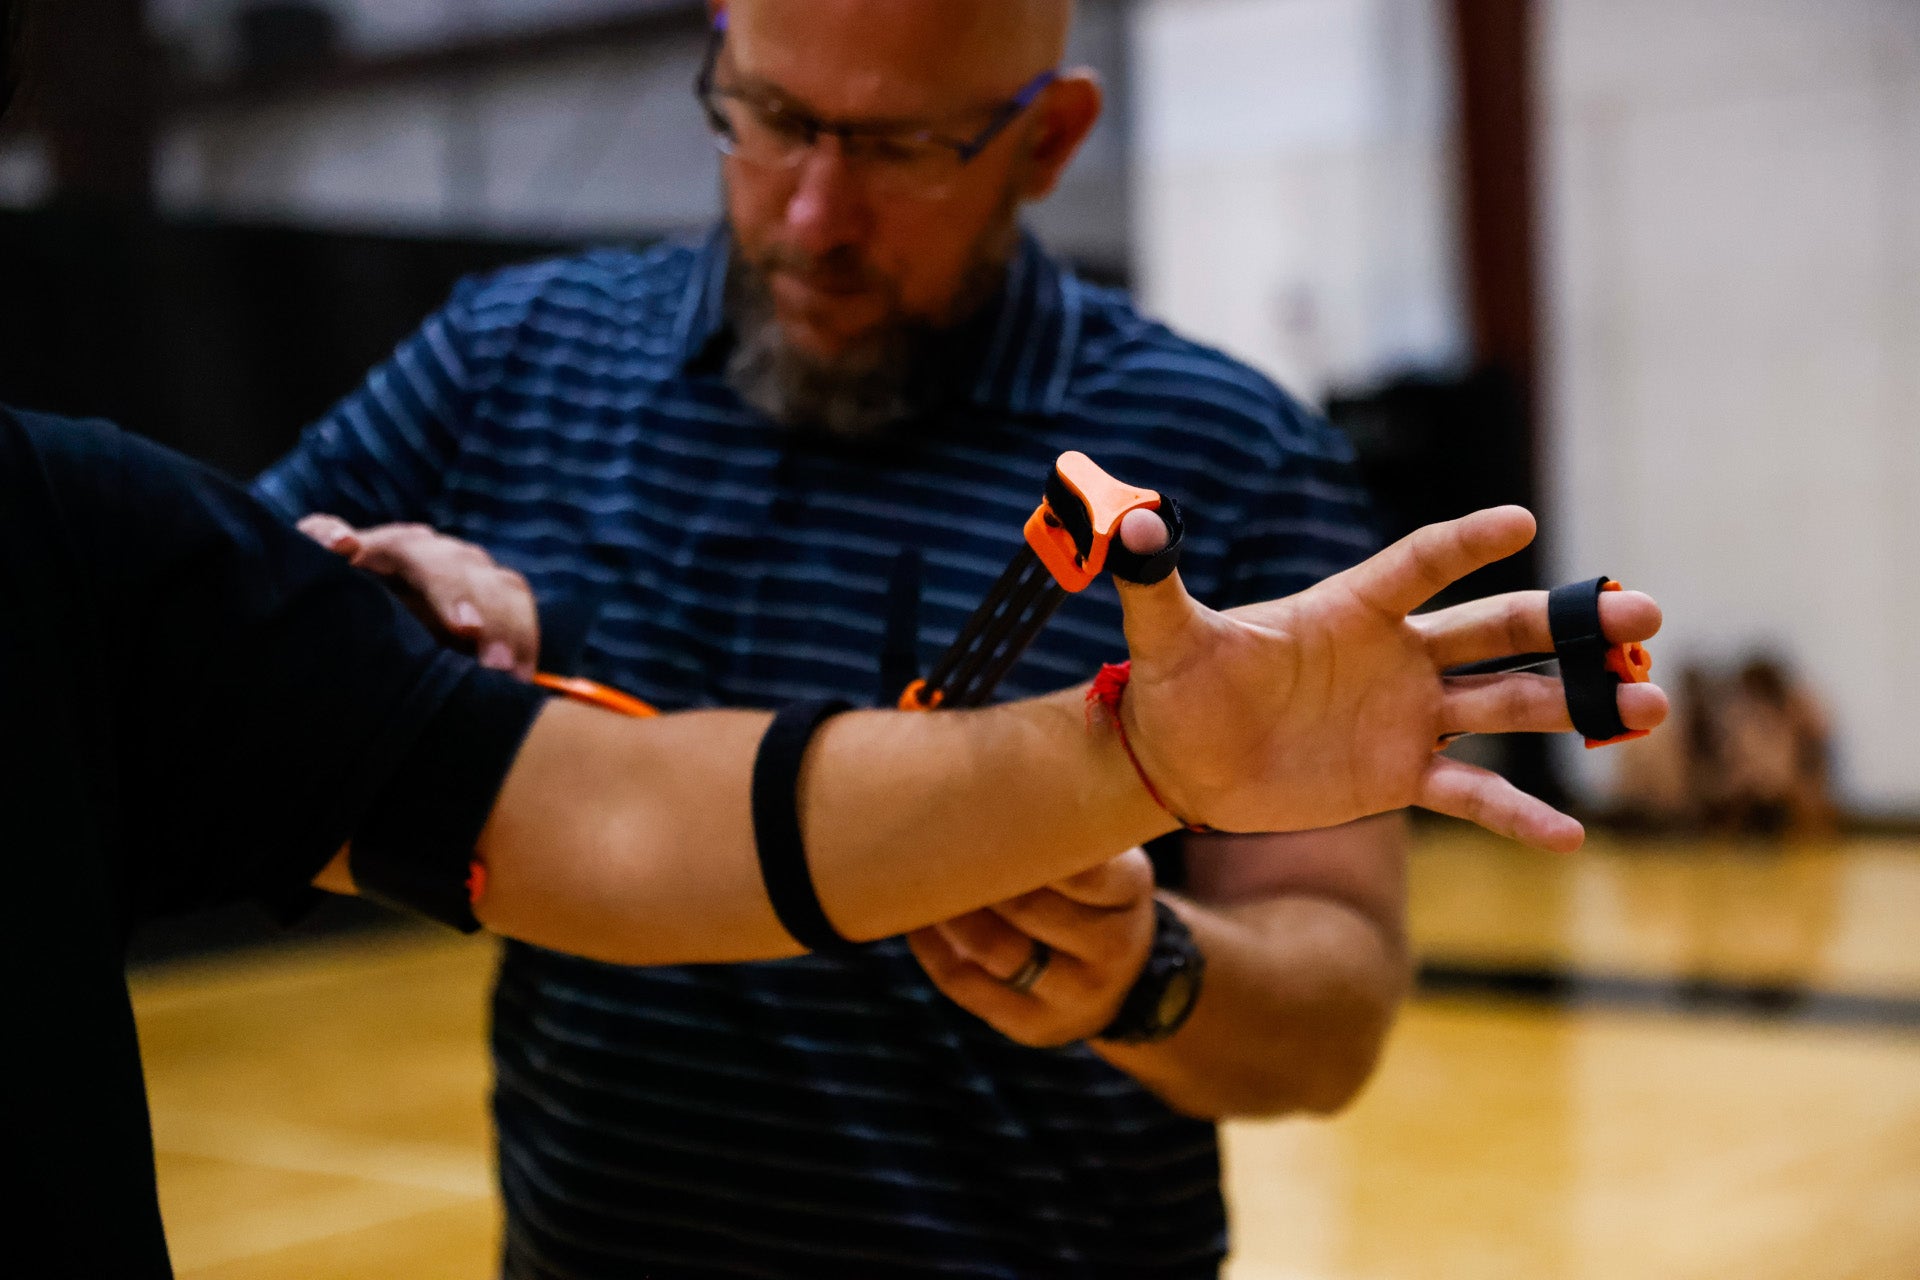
column 816, row 1116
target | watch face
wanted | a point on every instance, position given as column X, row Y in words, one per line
column 1182, row 986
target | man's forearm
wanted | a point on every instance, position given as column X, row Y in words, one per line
column 632, row 841
column 1305, row 940
column 1299, row 996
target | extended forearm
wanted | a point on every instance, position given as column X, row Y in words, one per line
column 633, row 841
column 1300, row 993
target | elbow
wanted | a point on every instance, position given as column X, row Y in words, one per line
column 1339, row 1079
column 1324, row 1071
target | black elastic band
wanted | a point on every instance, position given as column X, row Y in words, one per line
column 1573, row 617
column 776, row 825
column 1145, row 571
column 900, row 645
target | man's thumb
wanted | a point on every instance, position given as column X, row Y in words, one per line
column 1157, row 617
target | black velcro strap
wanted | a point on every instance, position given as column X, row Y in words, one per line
column 776, row 825
column 1145, row 571
column 414, row 848
column 1573, row 617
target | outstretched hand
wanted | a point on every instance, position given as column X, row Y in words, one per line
column 1327, row 706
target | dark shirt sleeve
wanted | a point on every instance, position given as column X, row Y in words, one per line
column 266, row 699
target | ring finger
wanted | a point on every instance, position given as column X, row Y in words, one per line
column 1534, row 704
column 989, row 942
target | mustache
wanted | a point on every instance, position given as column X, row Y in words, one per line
column 839, row 268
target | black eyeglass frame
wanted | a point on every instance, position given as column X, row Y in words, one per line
column 812, row 128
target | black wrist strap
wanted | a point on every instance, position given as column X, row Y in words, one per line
column 1573, row 616
column 776, row 825
column 1145, row 571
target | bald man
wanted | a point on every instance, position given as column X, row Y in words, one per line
column 725, row 448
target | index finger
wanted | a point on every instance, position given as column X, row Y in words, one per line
column 1427, row 561
column 1117, row 882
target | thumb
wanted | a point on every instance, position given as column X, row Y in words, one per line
column 1158, row 617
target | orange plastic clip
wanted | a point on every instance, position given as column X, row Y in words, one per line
column 1105, row 503
column 597, row 695
column 916, row 698
column 1633, row 665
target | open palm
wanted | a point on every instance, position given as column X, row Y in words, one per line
column 1326, row 706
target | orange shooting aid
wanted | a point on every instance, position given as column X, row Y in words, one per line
column 1071, row 538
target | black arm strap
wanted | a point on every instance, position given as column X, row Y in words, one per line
column 776, row 825
column 1573, row 616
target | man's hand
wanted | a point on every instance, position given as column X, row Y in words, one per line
column 1326, row 706
column 1093, row 930
column 452, row 586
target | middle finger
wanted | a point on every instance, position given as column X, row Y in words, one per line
column 1504, row 625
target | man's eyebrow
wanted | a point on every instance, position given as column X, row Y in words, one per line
column 766, row 90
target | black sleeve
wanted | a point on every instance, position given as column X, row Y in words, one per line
column 266, row 698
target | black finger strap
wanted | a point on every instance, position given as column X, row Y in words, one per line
column 1573, row 618
column 776, row 825
column 1145, row 571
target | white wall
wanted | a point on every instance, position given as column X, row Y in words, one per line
column 600, row 144
column 203, row 28
column 1733, row 277
column 1293, row 177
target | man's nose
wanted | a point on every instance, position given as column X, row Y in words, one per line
column 828, row 208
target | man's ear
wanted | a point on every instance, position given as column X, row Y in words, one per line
column 1068, row 111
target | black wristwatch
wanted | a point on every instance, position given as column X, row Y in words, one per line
column 1167, row 989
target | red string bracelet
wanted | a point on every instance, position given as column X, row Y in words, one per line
column 1104, row 699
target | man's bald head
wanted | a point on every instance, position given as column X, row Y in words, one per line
column 1047, row 23
column 963, row 45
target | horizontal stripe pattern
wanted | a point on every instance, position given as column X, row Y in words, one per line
column 819, row 1115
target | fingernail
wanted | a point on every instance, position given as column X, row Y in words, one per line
column 497, row 656
column 465, row 615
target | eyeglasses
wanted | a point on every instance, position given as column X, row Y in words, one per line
column 911, row 160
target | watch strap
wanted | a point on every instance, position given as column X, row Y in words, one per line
column 1173, row 957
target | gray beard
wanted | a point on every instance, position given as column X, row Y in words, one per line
column 900, row 376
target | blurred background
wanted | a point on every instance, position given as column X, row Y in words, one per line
column 1649, row 266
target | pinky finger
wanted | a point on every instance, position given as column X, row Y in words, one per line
column 1488, row 800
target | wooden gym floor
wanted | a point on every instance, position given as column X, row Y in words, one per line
column 1651, row 1061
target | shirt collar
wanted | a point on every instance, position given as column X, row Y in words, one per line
column 1027, row 334
column 703, row 308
